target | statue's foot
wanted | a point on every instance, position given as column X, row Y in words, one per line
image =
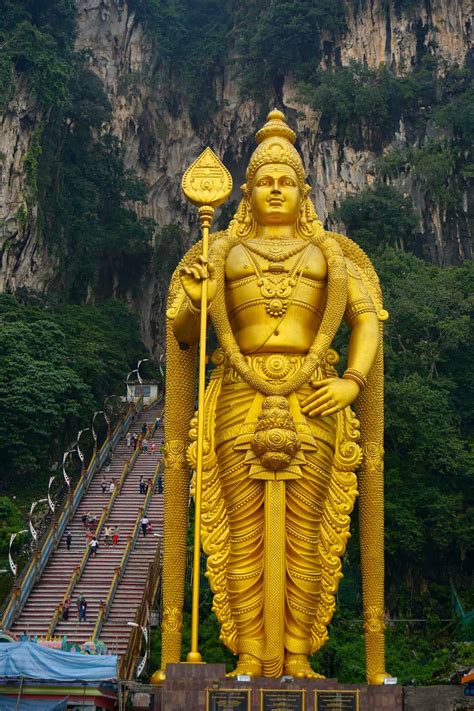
column 377, row 677
column 247, row 664
column 297, row 665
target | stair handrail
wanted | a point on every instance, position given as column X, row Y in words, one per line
column 104, row 609
column 150, row 591
column 79, row 569
column 34, row 569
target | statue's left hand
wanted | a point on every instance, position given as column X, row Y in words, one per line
column 330, row 396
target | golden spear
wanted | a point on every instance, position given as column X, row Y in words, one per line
column 207, row 184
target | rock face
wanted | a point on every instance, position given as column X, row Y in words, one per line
column 161, row 144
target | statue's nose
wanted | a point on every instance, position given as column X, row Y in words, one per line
column 276, row 189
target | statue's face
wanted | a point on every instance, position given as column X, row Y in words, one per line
column 275, row 197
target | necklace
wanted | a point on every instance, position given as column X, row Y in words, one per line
column 275, row 251
column 277, row 285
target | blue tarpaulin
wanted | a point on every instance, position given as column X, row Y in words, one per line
column 13, row 704
column 31, row 661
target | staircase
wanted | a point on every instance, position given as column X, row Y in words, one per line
column 94, row 584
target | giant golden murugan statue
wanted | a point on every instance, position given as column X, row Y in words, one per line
column 282, row 443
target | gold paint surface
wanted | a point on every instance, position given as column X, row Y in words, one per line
column 283, row 432
column 207, row 181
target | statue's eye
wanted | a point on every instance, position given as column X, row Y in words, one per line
column 264, row 181
column 288, row 181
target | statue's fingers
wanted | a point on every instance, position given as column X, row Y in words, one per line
column 330, row 411
column 211, row 268
column 202, row 271
column 318, row 411
column 319, row 405
column 194, row 272
column 315, row 407
column 316, row 399
column 314, row 396
column 320, row 383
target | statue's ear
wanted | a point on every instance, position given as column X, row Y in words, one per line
column 307, row 189
column 245, row 189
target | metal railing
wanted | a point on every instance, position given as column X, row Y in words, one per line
column 34, row 569
column 150, row 592
column 79, row 569
column 105, row 607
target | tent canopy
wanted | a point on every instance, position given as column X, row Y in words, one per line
column 31, row 661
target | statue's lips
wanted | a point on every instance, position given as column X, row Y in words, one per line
column 275, row 202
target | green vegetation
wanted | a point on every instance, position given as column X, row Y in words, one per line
column 429, row 404
column 277, row 37
column 77, row 190
column 197, row 39
column 191, row 38
column 56, row 367
column 85, row 193
column 358, row 103
column 36, row 41
column 380, row 217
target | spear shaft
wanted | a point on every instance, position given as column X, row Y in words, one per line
column 207, row 184
column 205, row 215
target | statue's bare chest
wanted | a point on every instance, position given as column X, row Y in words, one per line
column 276, row 292
column 275, row 260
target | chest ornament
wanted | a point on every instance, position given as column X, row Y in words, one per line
column 277, row 283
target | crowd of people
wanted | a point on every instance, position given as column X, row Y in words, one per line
column 139, row 440
column 111, row 533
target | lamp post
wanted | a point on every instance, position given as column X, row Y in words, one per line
column 80, row 453
column 65, row 474
column 94, row 433
column 107, row 418
column 137, row 371
column 13, row 566
column 144, row 632
column 143, row 360
column 33, row 531
column 51, row 503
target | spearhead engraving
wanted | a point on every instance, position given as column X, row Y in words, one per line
column 207, row 181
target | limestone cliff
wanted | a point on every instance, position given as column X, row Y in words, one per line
column 161, row 141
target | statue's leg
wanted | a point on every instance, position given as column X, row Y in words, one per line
column 244, row 503
column 304, row 509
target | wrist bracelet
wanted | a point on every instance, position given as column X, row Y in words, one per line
column 356, row 376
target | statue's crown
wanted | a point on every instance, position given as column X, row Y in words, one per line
column 275, row 145
column 275, row 126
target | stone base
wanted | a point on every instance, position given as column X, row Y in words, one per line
column 186, row 684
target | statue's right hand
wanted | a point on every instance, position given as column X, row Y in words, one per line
column 193, row 277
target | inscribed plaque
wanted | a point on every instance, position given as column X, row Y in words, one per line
column 227, row 699
column 282, row 700
column 336, row 700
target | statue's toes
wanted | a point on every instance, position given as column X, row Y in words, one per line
column 302, row 671
column 251, row 668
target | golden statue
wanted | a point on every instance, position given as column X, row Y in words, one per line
column 281, row 442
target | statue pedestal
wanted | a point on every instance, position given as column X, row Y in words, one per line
column 186, row 684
